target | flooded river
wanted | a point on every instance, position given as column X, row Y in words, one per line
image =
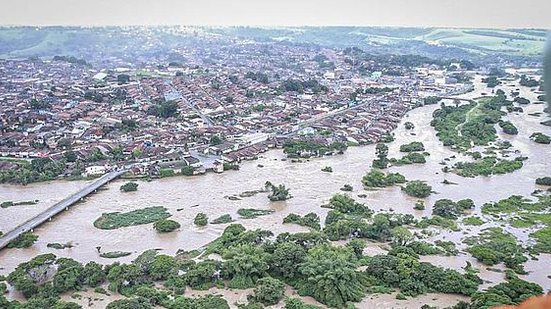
column 184, row 197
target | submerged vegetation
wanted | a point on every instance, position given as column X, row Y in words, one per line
column 311, row 220
column 201, row 219
column 493, row 246
column 24, row 240
column 226, row 218
column 306, row 149
column 129, row 186
column 378, row 179
column 8, row 204
column 115, row 220
column 166, row 225
column 488, row 166
column 251, row 213
column 417, row 188
column 277, row 193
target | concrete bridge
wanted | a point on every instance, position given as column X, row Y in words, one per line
column 49, row 213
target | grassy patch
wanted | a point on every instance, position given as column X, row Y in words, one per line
column 310, row 220
column 115, row 220
column 493, row 246
column 251, row 213
column 543, row 240
column 24, row 240
column 488, row 166
column 222, row 219
column 438, row 221
column 114, row 254
column 8, row 204
column 59, row 246
column 473, row 221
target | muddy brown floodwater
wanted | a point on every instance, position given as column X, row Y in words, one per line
column 309, row 186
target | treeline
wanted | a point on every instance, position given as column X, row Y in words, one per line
column 41, row 169
column 305, row 148
column 256, row 259
column 70, row 59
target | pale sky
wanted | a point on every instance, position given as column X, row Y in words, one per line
column 448, row 13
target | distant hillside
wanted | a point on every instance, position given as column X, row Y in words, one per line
column 129, row 41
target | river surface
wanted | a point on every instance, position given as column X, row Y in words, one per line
column 184, row 197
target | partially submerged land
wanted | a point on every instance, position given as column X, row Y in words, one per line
column 486, row 238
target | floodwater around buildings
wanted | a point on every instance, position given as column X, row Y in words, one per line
column 184, row 197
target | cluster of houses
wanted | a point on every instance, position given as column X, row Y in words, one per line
column 230, row 105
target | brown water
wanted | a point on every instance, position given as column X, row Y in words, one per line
column 309, row 186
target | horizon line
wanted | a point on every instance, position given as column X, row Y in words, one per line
column 260, row 26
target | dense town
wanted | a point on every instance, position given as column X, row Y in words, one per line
column 219, row 107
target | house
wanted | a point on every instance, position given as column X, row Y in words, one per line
column 218, row 166
column 95, row 170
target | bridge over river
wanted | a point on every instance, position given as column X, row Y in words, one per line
column 47, row 214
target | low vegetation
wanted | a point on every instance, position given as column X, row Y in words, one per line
column 438, row 221
column 114, row 254
column 410, row 158
column 493, row 246
column 508, row 127
column 311, row 220
column 59, row 246
column 166, row 225
column 115, row 220
column 306, row 149
column 543, row 181
column 201, row 219
column 476, row 221
column 488, row 166
column 129, row 186
column 226, row 218
column 417, row 188
column 378, row 179
column 24, row 240
column 8, row 204
column 277, row 193
column 449, row 209
column 540, row 138
column 413, row 146
column 251, row 213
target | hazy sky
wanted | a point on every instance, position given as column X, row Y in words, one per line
column 454, row 13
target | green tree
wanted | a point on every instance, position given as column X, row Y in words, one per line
column 285, row 259
column 446, row 208
column 93, row 274
column 163, row 267
column 418, row 188
column 278, row 193
column 130, row 303
column 129, row 186
column 70, row 156
column 401, row 236
column 166, row 225
column 245, row 264
column 201, row 219
column 331, row 276
column 268, row 291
